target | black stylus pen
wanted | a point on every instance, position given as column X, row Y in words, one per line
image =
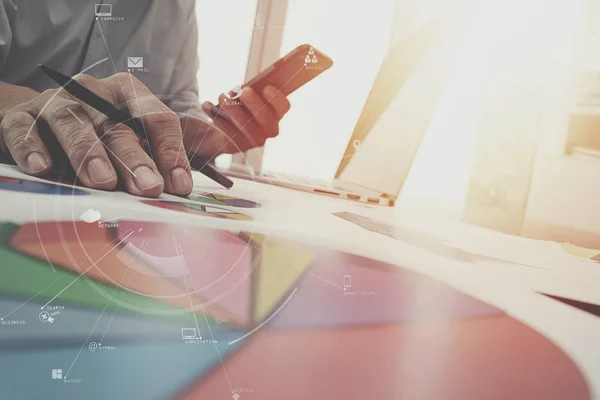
column 117, row 115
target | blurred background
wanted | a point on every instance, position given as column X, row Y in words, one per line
column 515, row 141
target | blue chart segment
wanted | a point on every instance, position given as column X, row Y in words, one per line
column 132, row 371
column 74, row 325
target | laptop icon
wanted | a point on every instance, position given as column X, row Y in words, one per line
column 189, row 333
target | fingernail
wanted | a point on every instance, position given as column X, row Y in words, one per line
column 99, row 171
column 146, row 178
column 181, row 181
column 36, row 162
column 247, row 91
column 215, row 110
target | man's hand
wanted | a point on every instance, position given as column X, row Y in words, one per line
column 239, row 124
column 101, row 152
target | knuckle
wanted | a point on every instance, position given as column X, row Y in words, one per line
column 105, row 126
column 286, row 105
column 18, row 144
column 48, row 93
column 16, row 120
column 163, row 119
column 119, row 84
column 37, row 104
column 13, row 139
column 274, row 131
column 258, row 141
column 123, row 80
column 170, row 146
column 118, row 136
column 123, row 75
column 78, row 145
column 65, row 110
column 250, row 95
column 85, row 79
column 127, row 149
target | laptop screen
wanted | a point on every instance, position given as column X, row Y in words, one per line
column 398, row 110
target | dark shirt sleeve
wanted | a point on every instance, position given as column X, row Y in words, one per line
column 7, row 9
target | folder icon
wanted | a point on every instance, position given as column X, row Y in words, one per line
column 135, row 62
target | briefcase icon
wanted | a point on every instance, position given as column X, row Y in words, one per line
column 135, row 62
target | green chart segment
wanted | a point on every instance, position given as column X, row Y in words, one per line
column 30, row 278
column 206, row 199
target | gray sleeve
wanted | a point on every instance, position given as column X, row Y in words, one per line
column 7, row 9
column 184, row 85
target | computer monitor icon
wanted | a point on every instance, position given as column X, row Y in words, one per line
column 189, row 333
column 103, row 10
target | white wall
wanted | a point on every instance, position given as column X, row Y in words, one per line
column 564, row 203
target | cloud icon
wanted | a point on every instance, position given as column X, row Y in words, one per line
column 90, row 216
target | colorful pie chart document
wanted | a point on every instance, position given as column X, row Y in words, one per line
column 143, row 308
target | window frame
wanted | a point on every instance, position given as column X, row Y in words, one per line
column 265, row 47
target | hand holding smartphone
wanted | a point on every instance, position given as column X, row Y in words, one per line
column 289, row 73
column 249, row 120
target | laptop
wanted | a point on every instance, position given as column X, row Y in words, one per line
column 392, row 124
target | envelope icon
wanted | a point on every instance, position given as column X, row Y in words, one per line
column 135, row 62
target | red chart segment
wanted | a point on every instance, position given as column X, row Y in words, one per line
column 93, row 250
column 483, row 358
column 343, row 289
column 214, row 265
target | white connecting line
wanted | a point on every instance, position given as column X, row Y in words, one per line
column 96, row 324
column 179, row 254
column 57, row 279
column 56, row 94
column 266, row 320
column 325, row 280
column 86, row 271
column 142, row 246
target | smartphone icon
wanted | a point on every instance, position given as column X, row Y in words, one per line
column 347, row 281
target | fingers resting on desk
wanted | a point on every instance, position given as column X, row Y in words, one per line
column 100, row 151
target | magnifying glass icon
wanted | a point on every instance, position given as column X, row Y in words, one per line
column 45, row 317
